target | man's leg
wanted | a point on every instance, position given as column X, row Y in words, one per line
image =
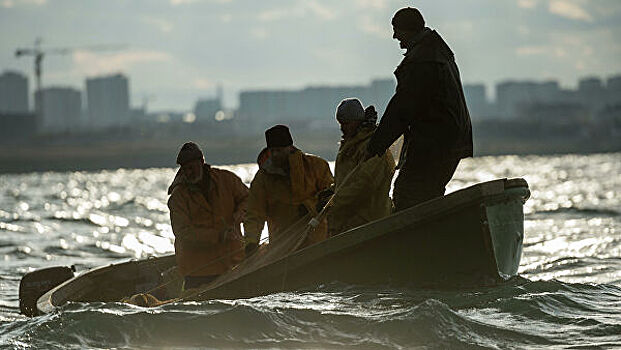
column 417, row 184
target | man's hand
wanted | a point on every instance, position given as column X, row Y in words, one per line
column 368, row 155
column 250, row 245
column 250, row 248
column 370, row 114
column 323, row 197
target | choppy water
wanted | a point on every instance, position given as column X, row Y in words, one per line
column 568, row 294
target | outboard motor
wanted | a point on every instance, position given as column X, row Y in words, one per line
column 36, row 283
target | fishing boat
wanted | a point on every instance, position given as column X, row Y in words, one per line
column 470, row 237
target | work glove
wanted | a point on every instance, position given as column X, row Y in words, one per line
column 250, row 246
column 323, row 197
column 368, row 155
column 370, row 115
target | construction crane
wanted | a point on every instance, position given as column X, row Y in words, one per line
column 39, row 53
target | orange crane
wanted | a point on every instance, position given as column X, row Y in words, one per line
column 39, row 53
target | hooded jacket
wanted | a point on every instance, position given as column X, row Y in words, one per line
column 208, row 238
column 282, row 198
column 363, row 196
column 428, row 107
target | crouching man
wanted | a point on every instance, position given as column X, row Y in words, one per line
column 206, row 206
column 284, row 189
column 363, row 185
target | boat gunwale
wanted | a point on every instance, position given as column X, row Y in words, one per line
column 50, row 300
column 351, row 238
column 428, row 211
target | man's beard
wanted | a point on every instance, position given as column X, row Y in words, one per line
column 198, row 177
column 281, row 161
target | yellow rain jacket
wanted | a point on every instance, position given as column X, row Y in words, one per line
column 282, row 199
column 208, row 238
column 364, row 196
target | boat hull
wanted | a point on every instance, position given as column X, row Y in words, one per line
column 465, row 239
column 471, row 237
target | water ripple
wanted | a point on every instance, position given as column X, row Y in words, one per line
column 568, row 295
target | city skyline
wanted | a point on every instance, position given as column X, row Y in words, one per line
column 104, row 103
column 478, row 90
column 179, row 50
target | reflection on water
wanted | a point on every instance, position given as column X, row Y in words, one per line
column 569, row 293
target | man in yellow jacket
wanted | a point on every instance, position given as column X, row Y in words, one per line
column 362, row 196
column 206, row 206
column 284, row 189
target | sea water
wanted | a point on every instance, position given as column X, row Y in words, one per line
column 567, row 295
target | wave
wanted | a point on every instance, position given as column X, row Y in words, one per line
column 579, row 211
column 121, row 206
column 520, row 314
column 71, row 219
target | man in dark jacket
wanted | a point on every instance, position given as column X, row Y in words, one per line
column 429, row 109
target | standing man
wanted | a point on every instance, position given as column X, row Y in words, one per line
column 362, row 196
column 284, row 189
column 429, row 109
column 206, row 206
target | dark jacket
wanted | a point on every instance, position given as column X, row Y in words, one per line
column 428, row 107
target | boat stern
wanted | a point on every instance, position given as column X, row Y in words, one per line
column 502, row 217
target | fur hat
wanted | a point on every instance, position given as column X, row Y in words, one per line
column 278, row 136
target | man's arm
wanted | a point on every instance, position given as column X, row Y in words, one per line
column 240, row 194
column 182, row 226
column 410, row 101
column 368, row 177
column 256, row 212
column 325, row 176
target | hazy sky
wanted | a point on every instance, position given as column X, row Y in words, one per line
column 178, row 50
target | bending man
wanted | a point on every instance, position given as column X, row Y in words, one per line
column 206, row 206
column 284, row 189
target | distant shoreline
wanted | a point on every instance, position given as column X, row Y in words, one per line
column 140, row 154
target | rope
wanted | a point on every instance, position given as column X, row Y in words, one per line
column 308, row 228
column 176, row 279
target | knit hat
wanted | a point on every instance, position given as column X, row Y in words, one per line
column 350, row 109
column 188, row 152
column 278, row 136
column 408, row 18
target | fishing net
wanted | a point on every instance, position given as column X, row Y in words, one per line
column 289, row 241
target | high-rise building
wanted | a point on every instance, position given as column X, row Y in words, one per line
column 381, row 91
column 614, row 83
column 613, row 88
column 591, row 92
column 108, row 101
column 60, row 109
column 315, row 104
column 514, row 97
column 206, row 108
column 476, row 100
column 13, row 93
